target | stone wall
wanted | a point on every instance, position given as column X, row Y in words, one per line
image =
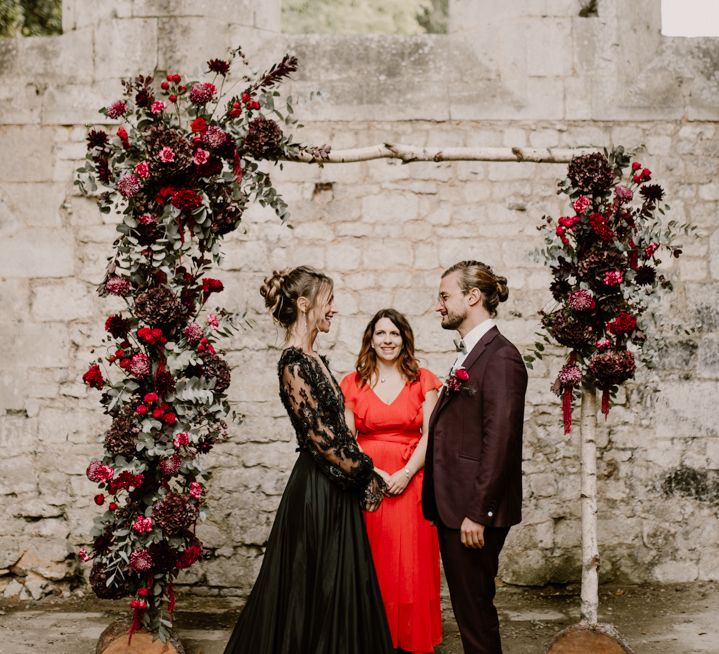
column 508, row 73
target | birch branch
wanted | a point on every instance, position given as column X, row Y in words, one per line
column 410, row 153
column 590, row 549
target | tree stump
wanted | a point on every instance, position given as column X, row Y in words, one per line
column 586, row 639
column 114, row 641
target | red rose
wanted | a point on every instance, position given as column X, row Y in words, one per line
column 210, row 285
column 198, row 125
column 138, row 604
column 461, row 374
column 186, row 199
column 158, row 413
column 99, row 499
column 636, row 178
column 122, row 134
column 646, row 174
column 169, row 418
column 151, row 397
column 93, row 377
column 172, row 98
column 164, row 193
column 142, row 409
column 143, row 592
column 164, row 86
column 112, row 506
column 636, row 165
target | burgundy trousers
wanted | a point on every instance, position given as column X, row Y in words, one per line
column 470, row 576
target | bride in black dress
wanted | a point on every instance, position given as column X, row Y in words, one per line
column 316, row 592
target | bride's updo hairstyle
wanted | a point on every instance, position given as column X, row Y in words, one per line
column 475, row 274
column 283, row 288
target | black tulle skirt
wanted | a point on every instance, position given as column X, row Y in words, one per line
column 317, row 592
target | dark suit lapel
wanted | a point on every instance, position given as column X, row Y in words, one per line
column 468, row 362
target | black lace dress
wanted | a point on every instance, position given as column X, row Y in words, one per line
column 317, row 592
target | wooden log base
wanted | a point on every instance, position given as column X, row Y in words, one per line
column 584, row 639
column 114, row 641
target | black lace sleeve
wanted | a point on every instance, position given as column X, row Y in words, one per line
column 317, row 414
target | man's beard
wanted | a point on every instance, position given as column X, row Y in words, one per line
column 452, row 321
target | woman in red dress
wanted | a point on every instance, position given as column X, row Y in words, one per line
column 389, row 399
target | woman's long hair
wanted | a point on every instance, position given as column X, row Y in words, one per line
column 367, row 358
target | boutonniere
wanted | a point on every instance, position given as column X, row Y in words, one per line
column 457, row 381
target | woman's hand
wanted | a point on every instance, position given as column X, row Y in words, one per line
column 398, row 481
column 384, row 474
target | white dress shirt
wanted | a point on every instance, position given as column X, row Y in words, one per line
column 471, row 339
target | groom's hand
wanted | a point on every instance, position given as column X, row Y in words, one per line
column 472, row 534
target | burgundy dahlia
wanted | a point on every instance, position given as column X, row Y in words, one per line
column 645, row 275
column 118, row 326
column 121, row 438
column 96, row 138
column 567, row 330
column 215, row 367
column 219, row 66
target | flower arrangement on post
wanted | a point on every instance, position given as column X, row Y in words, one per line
column 604, row 260
column 179, row 171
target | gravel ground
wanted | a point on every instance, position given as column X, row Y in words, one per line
column 667, row 619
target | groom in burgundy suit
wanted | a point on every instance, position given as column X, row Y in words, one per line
column 473, row 470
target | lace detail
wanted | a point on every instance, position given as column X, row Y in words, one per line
column 316, row 409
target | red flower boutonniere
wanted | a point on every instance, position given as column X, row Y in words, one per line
column 457, row 380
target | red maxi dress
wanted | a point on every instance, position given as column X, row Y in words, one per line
column 404, row 545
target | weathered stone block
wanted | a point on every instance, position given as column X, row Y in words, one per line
column 676, row 572
column 114, row 36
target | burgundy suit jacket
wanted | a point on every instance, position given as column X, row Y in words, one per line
column 473, row 466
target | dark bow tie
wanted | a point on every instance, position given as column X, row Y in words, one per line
column 460, row 346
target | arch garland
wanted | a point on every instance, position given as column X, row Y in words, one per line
column 180, row 170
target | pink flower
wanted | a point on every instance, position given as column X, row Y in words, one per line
column 146, row 219
column 180, row 439
column 128, row 186
column 141, row 560
column 613, row 278
column 213, row 321
column 201, row 92
column 117, row 109
column 201, row 157
column 193, row 332
column 196, row 490
column 82, row 553
column 167, row 155
column 581, row 300
column 581, row 204
column 157, row 107
column 139, row 365
column 142, row 525
column 151, row 397
column 650, row 250
column 143, row 169
column 603, row 344
column 623, row 193
column 98, row 472
column 570, row 376
column 117, row 286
